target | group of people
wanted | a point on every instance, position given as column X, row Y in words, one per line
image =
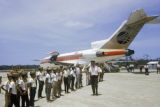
column 21, row 87
column 146, row 68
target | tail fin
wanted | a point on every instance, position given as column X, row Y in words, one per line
column 126, row 33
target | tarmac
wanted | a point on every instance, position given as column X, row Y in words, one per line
column 117, row 90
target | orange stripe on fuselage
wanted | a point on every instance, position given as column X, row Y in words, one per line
column 112, row 53
column 69, row 57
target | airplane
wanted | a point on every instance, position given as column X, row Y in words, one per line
column 114, row 47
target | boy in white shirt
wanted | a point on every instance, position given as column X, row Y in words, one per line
column 59, row 82
column 32, row 86
column 5, row 87
column 13, row 91
column 73, row 75
column 48, row 84
column 24, row 89
column 54, row 81
column 65, row 79
column 40, row 78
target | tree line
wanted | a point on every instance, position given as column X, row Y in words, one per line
column 9, row 67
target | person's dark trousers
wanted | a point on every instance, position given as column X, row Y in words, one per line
column 146, row 72
column 66, row 84
column 14, row 101
column 18, row 98
column 69, row 82
column 48, row 91
column 41, row 84
column 72, row 82
column 81, row 85
column 59, row 87
column 25, row 99
column 94, row 84
column 32, row 95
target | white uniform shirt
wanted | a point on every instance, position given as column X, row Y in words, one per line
column 32, row 82
column 93, row 70
column 53, row 77
column 22, row 85
column 48, row 76
column 6, row 85
column 66, row 73
column 99, row 69
column 13, row 87
column 73, row 73
column 40, row 76
column 59, row 76
column 78, row 71
column 146, row 66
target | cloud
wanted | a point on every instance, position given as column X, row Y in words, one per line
column 78, row 24
column 59, row 24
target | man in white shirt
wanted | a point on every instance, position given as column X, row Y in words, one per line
column 78, row 76
column 24, row 89
column 59, row 81
column 72, row 76
column 94, row 70
column 13, row 91
column 32, row 85
column 65, row 78
column 54, row 84
column 48, row 84
column 5, row 87
column 40, row 77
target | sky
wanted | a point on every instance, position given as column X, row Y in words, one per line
column 30, row 29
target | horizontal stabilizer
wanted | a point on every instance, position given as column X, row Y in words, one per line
column 136, row 16
column 155, row 21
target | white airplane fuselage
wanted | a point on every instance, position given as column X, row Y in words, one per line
column 85, row 56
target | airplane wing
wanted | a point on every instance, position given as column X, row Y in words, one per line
column 62, row 63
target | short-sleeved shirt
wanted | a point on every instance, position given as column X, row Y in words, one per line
column 73, row 73
column 99, row 70
column 66, row 73
column 32, row 82
column 48, row 76
column 146, row 66
column 78, row 71
column 23, row 85
column 13, row 87
column 6, row 85
column 53, row 77
column 94, row 70
column 40, row 76
column 59, row 76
